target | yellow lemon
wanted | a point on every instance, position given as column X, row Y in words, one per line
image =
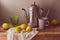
column 5, row 26
column 23, row 26
column 29, row 29
column 54, row 22
column 17, row 29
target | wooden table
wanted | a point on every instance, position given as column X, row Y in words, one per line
column 50, row 33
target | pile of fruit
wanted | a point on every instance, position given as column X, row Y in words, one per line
column 19, row 28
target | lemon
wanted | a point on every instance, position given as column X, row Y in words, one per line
column 5, row 26
column 54, row 22
column 29, row 29
column 17, row 29
column 23, row 26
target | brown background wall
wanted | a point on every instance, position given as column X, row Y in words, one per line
column 13, row 8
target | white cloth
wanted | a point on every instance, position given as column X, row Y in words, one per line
column 11, row 35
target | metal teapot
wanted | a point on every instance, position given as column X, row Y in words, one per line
column 32, row 15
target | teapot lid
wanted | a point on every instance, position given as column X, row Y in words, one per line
column 34, row 4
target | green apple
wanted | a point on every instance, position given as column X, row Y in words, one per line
column 5, row 26
column 17, row 29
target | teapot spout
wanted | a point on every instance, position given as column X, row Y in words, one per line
column 26, row 15
column 25, row 12
column 23, row 9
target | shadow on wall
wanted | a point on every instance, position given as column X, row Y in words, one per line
column 0, row 17
column 54, row 7
column 55, row 11
column 6, row 14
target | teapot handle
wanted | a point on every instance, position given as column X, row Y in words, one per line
column 47, row 23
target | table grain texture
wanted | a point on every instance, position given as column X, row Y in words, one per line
column 50, row 33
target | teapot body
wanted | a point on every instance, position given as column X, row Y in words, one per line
column 33, row 15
